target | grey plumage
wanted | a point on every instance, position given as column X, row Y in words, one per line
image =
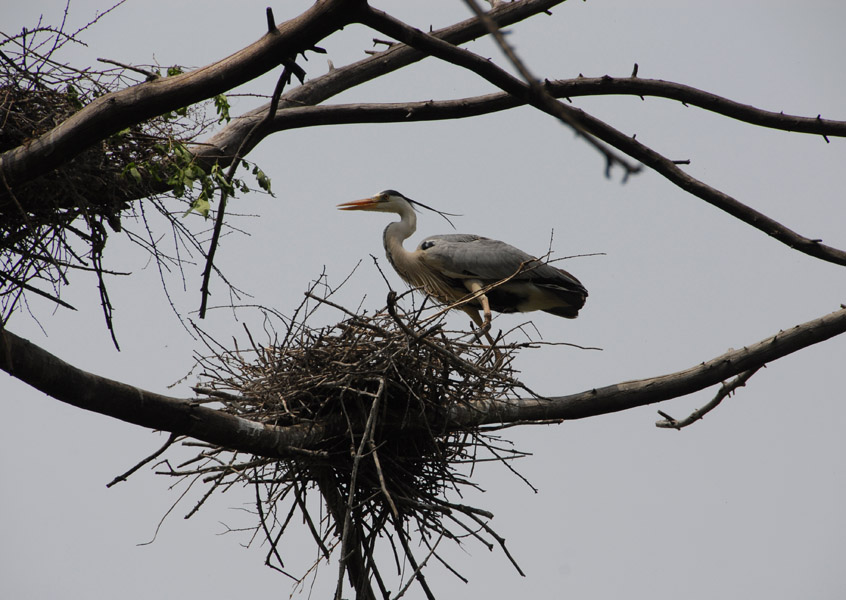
column 461, row 256
column 449, row 267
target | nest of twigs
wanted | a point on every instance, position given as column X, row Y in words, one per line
column 92, row 185
column 60, row 220
column 389, row 464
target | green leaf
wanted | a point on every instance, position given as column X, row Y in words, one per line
column 131, row 170
column 201, row 205
column 221, row 105
column 73, row 96
column 262, row 179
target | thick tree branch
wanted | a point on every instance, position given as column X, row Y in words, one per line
column 111, row 113
column 594, row 127
column 631, row 394
column 221, row 147
column 56, row 378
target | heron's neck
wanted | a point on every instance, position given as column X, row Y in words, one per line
column 395, row 234
column 401, row 230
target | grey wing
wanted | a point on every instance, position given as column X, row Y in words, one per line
column 466, row 256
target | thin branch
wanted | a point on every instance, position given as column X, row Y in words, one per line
column 725, row 391
column 171, row 438
column 348, row 510
column 535, row 96
column 284, row 78
column 713, row 196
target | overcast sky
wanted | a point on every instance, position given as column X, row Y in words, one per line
column 747, row 503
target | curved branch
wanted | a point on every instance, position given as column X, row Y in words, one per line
column 221, row 147
column 631, row 394
column 591, row 126
column 724, row 392
column 532, row 92
column 634, row 86
column 111, row 113
column 56, row 378
column 434, row 110
column 670, row 170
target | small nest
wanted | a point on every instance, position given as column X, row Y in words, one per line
column 381, row 388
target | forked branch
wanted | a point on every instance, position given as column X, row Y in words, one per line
column 724, row 392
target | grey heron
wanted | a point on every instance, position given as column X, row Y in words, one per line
column 452, row 266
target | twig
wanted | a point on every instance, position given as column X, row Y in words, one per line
column 171, row 438
column 148, row 74
column 434, row 46
column 284, row 77
column 418, row 569
column 368, row 433
column 724, row 392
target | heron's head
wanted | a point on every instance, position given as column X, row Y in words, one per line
column 387, row 201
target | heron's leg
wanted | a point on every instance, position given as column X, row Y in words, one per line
column 474, row 285
column 477, row 319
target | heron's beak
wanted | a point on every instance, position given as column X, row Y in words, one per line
column 366, row 204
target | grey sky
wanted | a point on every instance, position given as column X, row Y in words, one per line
column 747, row 503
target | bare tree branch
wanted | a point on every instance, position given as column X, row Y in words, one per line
column 56, row 378
column 631, row 394
column 432, row 110
column 635, row 86
column 111, row 113
column 531, row 94
column 713, row 196
column 45, row 372
column 221, row 146
column 724, row 392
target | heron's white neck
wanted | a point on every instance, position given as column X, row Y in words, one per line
column 395, row 234
column 401, row 230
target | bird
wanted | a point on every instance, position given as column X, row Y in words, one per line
column 452, row 267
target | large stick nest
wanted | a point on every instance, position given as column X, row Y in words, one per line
column 388, row 465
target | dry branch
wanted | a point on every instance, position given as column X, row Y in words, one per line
column 111, row 113
column 222, row 146
column 532, row 92
column 433, row 110
column 40, row 369
column 724, row 392
column 631, row 394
